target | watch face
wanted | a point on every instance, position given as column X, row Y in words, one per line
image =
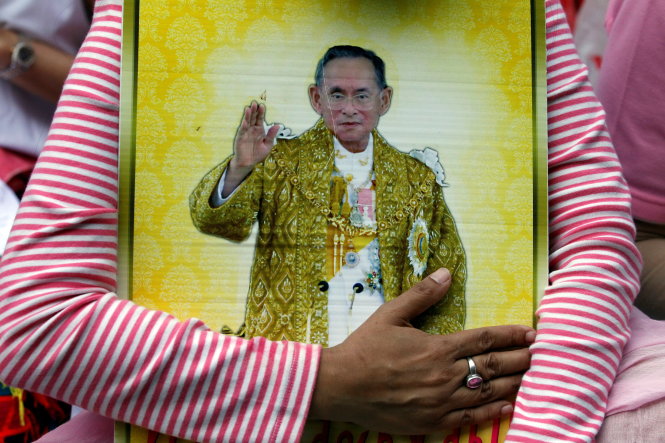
column 25, row 54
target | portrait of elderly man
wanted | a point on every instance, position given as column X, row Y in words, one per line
column 346, row 221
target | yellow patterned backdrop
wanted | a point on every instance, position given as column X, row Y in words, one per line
column 462, row 75
column 462, row 78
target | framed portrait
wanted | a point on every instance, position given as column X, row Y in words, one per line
column 419, row 142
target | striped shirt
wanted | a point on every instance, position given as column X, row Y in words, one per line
column 594, row 265
column 64, row 332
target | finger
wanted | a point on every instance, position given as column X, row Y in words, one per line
column 481, row 414
column 502, row 388
column 244, row 122
column 252, row 113
column 419, row 298
column 478, row 341
column 261, row 114
column 272, row 133
column 496, row 364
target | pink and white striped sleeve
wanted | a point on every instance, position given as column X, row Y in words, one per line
column 594, row 265
column 63, row 331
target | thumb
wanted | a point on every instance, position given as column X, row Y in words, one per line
column 419, row 298
column 271, row 133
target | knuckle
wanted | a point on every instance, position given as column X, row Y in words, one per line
column 487, row 392
column 486, row 339
column 466, row 418
column 445, row 379
column 506, row 387
column 493, row 366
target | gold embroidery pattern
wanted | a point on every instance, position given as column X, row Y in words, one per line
column 284, row 301
column 342, row 222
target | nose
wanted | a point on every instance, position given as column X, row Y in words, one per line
column 349, row 108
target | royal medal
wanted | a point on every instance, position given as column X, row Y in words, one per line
column 419, row 246
column 356, row 218
column 352, row 259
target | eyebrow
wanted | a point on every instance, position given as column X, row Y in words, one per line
column 355, row 91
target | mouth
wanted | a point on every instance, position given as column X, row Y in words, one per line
column 349, row 124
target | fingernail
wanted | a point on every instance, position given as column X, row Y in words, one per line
column 507, row 410
column 531, row 336
column 440, row 276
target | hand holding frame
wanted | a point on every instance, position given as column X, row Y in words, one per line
column 391, row 377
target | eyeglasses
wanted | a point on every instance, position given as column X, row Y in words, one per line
column 362, row 101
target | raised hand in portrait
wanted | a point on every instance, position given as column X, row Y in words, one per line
column 251, row 145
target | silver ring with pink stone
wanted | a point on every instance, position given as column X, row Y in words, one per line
column 473, row 380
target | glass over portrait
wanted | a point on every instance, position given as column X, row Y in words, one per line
column 286, row 186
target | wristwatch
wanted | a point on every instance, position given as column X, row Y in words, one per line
column 23, row 56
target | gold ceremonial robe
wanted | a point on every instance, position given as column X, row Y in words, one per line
column 288, row 193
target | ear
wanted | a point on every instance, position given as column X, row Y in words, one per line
column 315, row 98
column 386, row 98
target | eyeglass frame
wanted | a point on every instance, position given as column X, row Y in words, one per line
column 338, row 104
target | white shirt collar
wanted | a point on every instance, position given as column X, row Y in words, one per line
column 357, row 164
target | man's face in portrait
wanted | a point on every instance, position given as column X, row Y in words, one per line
column 350, row 100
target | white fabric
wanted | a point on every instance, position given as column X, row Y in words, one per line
column 8, row 208
column 25, row 118
column 216, row 199
column 359, row 164
column 345, row 315
column 342, row 320
column 590, row 35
